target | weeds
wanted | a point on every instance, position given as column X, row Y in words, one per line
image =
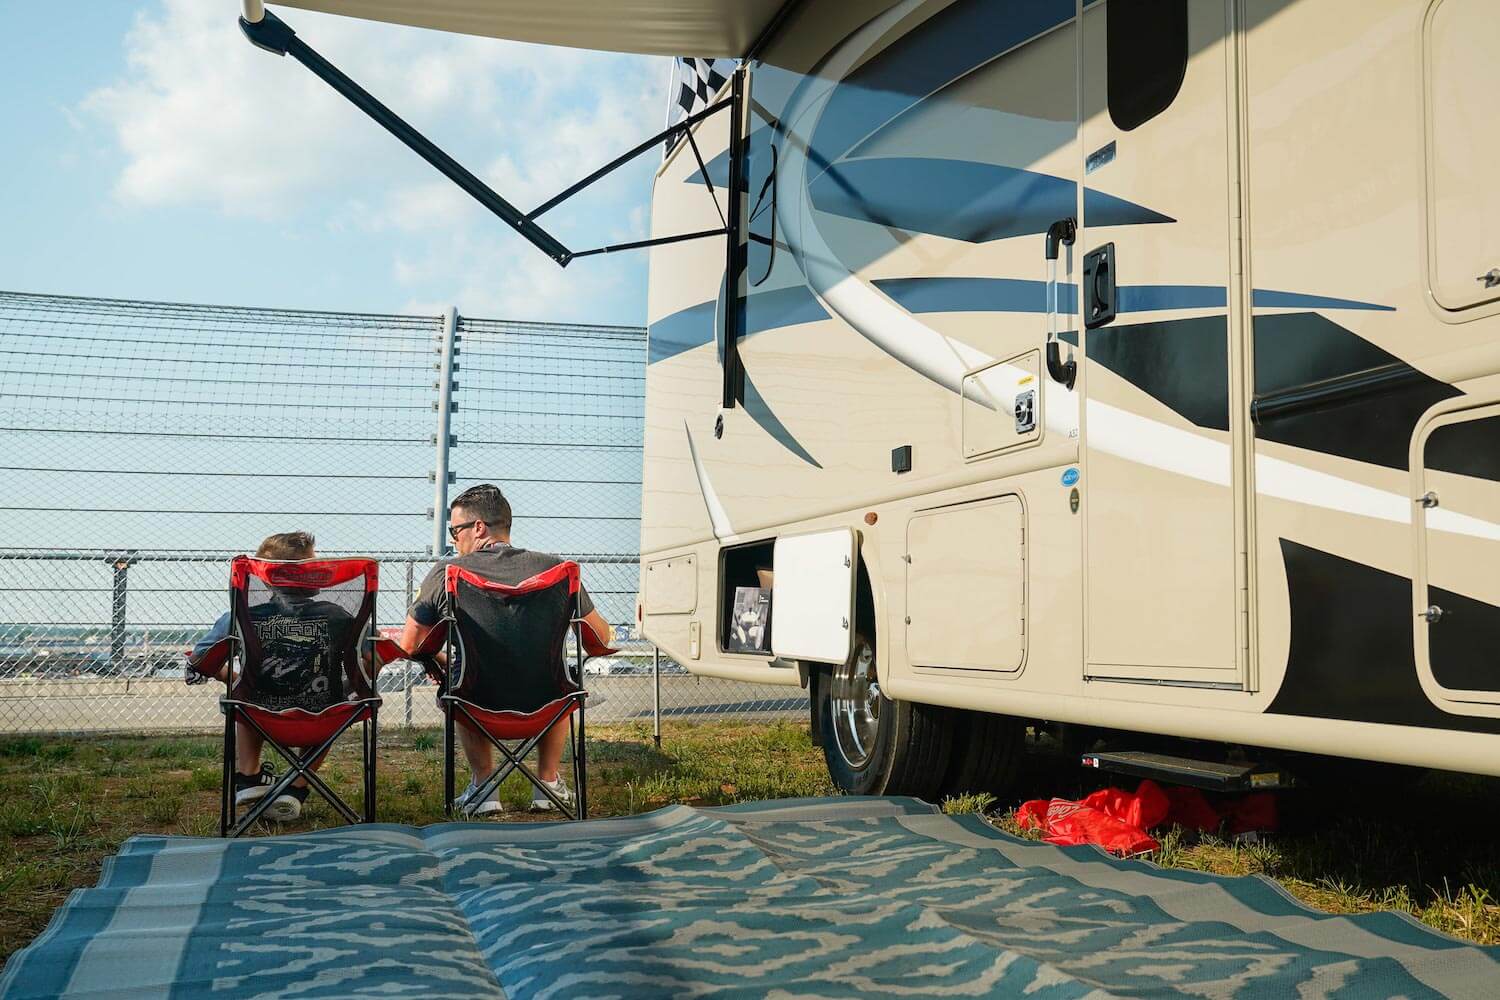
column 163, row 810
column 971, row 802
column 23, row 746
column 424, row 741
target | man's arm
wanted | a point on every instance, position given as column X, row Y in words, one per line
column 424, row 614
column 592, row 618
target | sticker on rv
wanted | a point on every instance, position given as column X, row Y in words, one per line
column 1070, row 477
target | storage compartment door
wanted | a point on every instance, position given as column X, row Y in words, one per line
column 966, row 586
column 671, row 586
column 812, row 596
column 1458, row 517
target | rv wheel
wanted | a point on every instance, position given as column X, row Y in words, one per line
column 987, row 751
column 873, row 745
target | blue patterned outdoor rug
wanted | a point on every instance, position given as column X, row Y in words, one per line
column 799, row 898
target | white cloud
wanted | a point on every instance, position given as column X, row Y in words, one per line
column 203, row 118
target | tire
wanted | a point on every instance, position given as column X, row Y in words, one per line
column 873, row 745
column 987, row 754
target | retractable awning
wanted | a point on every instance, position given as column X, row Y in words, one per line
column 519, row 19
column 652, row 27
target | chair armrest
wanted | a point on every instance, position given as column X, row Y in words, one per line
column 389, row 650
column 592, row 647
column 210, row 661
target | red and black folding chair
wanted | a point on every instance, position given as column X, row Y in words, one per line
column 507, row 672
column 309, row 621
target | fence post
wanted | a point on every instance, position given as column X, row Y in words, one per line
column 656, row 693
column 408, row 665
column 117, row 612
column 442, row 439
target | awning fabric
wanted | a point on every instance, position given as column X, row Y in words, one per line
column 704, row 28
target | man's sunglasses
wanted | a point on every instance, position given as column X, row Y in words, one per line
column 454, row 529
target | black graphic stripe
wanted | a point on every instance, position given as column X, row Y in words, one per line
column 1322, row 387
column 1351, row 652
column 1181, row 363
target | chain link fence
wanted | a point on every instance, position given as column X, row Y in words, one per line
column 143, row 444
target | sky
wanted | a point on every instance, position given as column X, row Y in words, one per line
column 150, row 152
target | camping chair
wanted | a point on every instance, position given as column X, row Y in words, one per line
column 507, row 674
column 320, row 609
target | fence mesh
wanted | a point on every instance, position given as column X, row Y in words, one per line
column 142, row 444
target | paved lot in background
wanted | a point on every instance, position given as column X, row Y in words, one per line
column 153, row 705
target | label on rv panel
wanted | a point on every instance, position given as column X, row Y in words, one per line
column 1099, row 157
column 1070, row 477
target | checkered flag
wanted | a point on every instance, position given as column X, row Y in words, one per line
column 694, row 84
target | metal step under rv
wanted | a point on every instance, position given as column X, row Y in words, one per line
column 1216, row 776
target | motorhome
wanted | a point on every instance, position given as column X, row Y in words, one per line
column 1233, row 476
column 1125, row 366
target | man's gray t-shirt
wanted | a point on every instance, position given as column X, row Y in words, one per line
column 499, row 563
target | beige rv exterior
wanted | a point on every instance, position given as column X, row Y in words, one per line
column 1219, row 531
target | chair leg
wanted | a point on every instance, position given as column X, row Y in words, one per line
column 580, row 766
column 448, row 759
column 226, row 787
column 371, row 730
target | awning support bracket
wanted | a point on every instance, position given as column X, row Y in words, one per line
column 276, row 36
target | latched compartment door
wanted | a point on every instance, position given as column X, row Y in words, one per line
column 966, row 586
column 1458, row 587
column 812, row 596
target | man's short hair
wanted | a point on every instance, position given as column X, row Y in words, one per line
column 288, row 545
column 487, row 503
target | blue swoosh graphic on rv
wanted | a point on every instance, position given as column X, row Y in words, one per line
column 962, row 199
column 945, row 47
column 959, row 199
column 694, row 326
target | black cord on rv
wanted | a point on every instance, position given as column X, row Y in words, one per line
column 1061, row 233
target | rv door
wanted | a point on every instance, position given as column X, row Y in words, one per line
column 1161, row 305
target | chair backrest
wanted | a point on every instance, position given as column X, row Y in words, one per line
column 299, row 628
column 511, row 639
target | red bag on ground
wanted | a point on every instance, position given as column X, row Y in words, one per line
column 1114, row 819
column 1191, row 810
column 1117, row 820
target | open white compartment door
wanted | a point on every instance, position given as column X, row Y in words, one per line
column 812, row 596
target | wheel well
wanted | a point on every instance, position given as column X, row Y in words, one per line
column 864, row 601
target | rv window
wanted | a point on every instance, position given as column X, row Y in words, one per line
column 1146, row 58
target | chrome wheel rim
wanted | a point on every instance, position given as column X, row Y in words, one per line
column 855, row 697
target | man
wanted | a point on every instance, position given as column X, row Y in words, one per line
column 295, row 630
column 479, row 522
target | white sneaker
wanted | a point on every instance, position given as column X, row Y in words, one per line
column 491, row 803
column 288, row 805
column 540, row 802
column 250, row 787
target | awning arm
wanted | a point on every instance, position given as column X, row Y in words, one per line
column 619, row 161
column 274, row 35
